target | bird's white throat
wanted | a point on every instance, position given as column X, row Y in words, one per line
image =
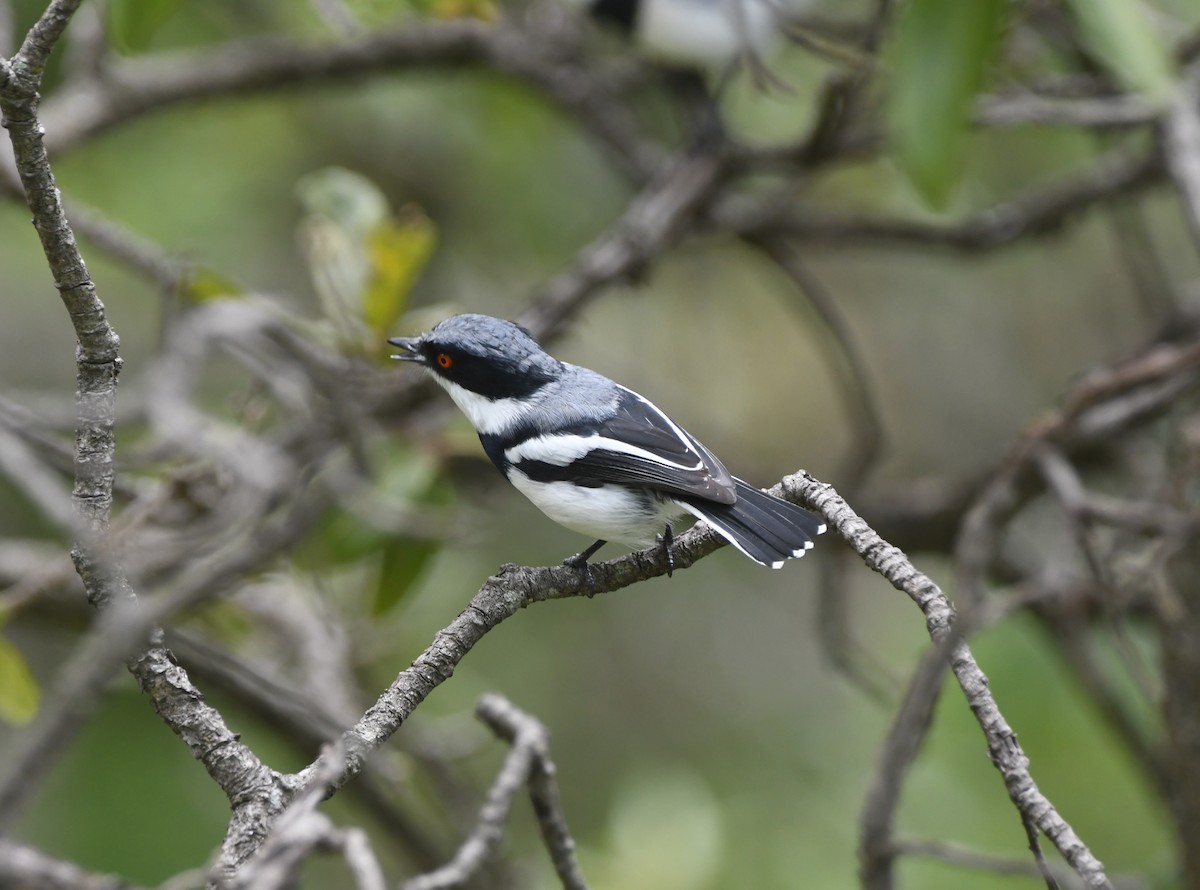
column 488, row 416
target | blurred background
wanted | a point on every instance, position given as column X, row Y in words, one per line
column 703, row 735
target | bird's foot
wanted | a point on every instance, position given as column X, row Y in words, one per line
column 579, row 562
column 667, row 541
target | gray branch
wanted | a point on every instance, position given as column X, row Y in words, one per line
column 528, row 764
column 1003, row 749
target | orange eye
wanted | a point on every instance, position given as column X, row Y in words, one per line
column 444, row 361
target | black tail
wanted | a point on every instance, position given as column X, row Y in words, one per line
column 765, row 528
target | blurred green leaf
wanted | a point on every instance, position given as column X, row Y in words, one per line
column 133, row 24
column 400, row 565
column 399, row 247
column 206, row 285
column 1120, row 36
column 19, row 692
column 407, row 480
column 938, row 61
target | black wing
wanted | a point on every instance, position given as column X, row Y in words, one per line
column 639, row 445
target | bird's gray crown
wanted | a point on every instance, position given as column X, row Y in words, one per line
column 485, row 336
column 488, row 356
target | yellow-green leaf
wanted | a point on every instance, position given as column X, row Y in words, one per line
column 205, row 285
column 938, row 63
column 399, row 248
column 1121, row 37
column 19, row 692
column 484, row 10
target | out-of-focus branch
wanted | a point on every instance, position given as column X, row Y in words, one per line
column 1038, row 211
column 952, row 854
column 876, row 849
column 527, row 765
column 1181, row 145
column 649, row 225
column 1100, row 404
column 1179, row 633
column 22, row 866
column 124, row 628
column 1088, row 112
column 135, row 87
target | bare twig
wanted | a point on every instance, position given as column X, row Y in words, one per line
column 649, row 225
column 1181, row 145
column 1005, row 752
column 1038, row 211
column 23, row 866
column 135, row 87
column 1094, row 113
column 528, row 764
column 876, row 850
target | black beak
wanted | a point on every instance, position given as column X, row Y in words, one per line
column 410, row 346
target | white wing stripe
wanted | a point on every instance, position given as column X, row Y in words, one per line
column 563, row 450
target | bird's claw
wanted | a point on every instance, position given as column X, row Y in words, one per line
column 667, row 541
column 579, row 562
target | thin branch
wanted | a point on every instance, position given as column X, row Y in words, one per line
column 22, row 866
column 1088, row 112
column 849, row 366
column 1035, row 847
column 952, row 854
column 125, row 628
column 1101, row 403
column 851, row 373
column 305, row 721
column 649, row 225
column 519, row 728
column 527, row 764
column 1003, row 748
column 1181, row 145
column 1038, row 211
column 876, row 850
column 135, row 87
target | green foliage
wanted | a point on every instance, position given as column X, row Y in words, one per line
column 401, row 564
column 365, row 531
column 133, row 24
column 1118, row 33
column 19, row 691
column 938, row 62
column 363, row 260
column 398, row 249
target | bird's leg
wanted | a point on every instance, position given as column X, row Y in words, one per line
column 579, row 561
column 667, row 540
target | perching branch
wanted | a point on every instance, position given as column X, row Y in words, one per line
column 1003, row 749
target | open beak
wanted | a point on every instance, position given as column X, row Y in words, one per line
column 410, row 346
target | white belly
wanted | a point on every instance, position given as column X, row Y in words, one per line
column 608, row 513
column 706, row 32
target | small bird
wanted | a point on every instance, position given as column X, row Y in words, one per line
column 705, row 34
column 592, row 455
